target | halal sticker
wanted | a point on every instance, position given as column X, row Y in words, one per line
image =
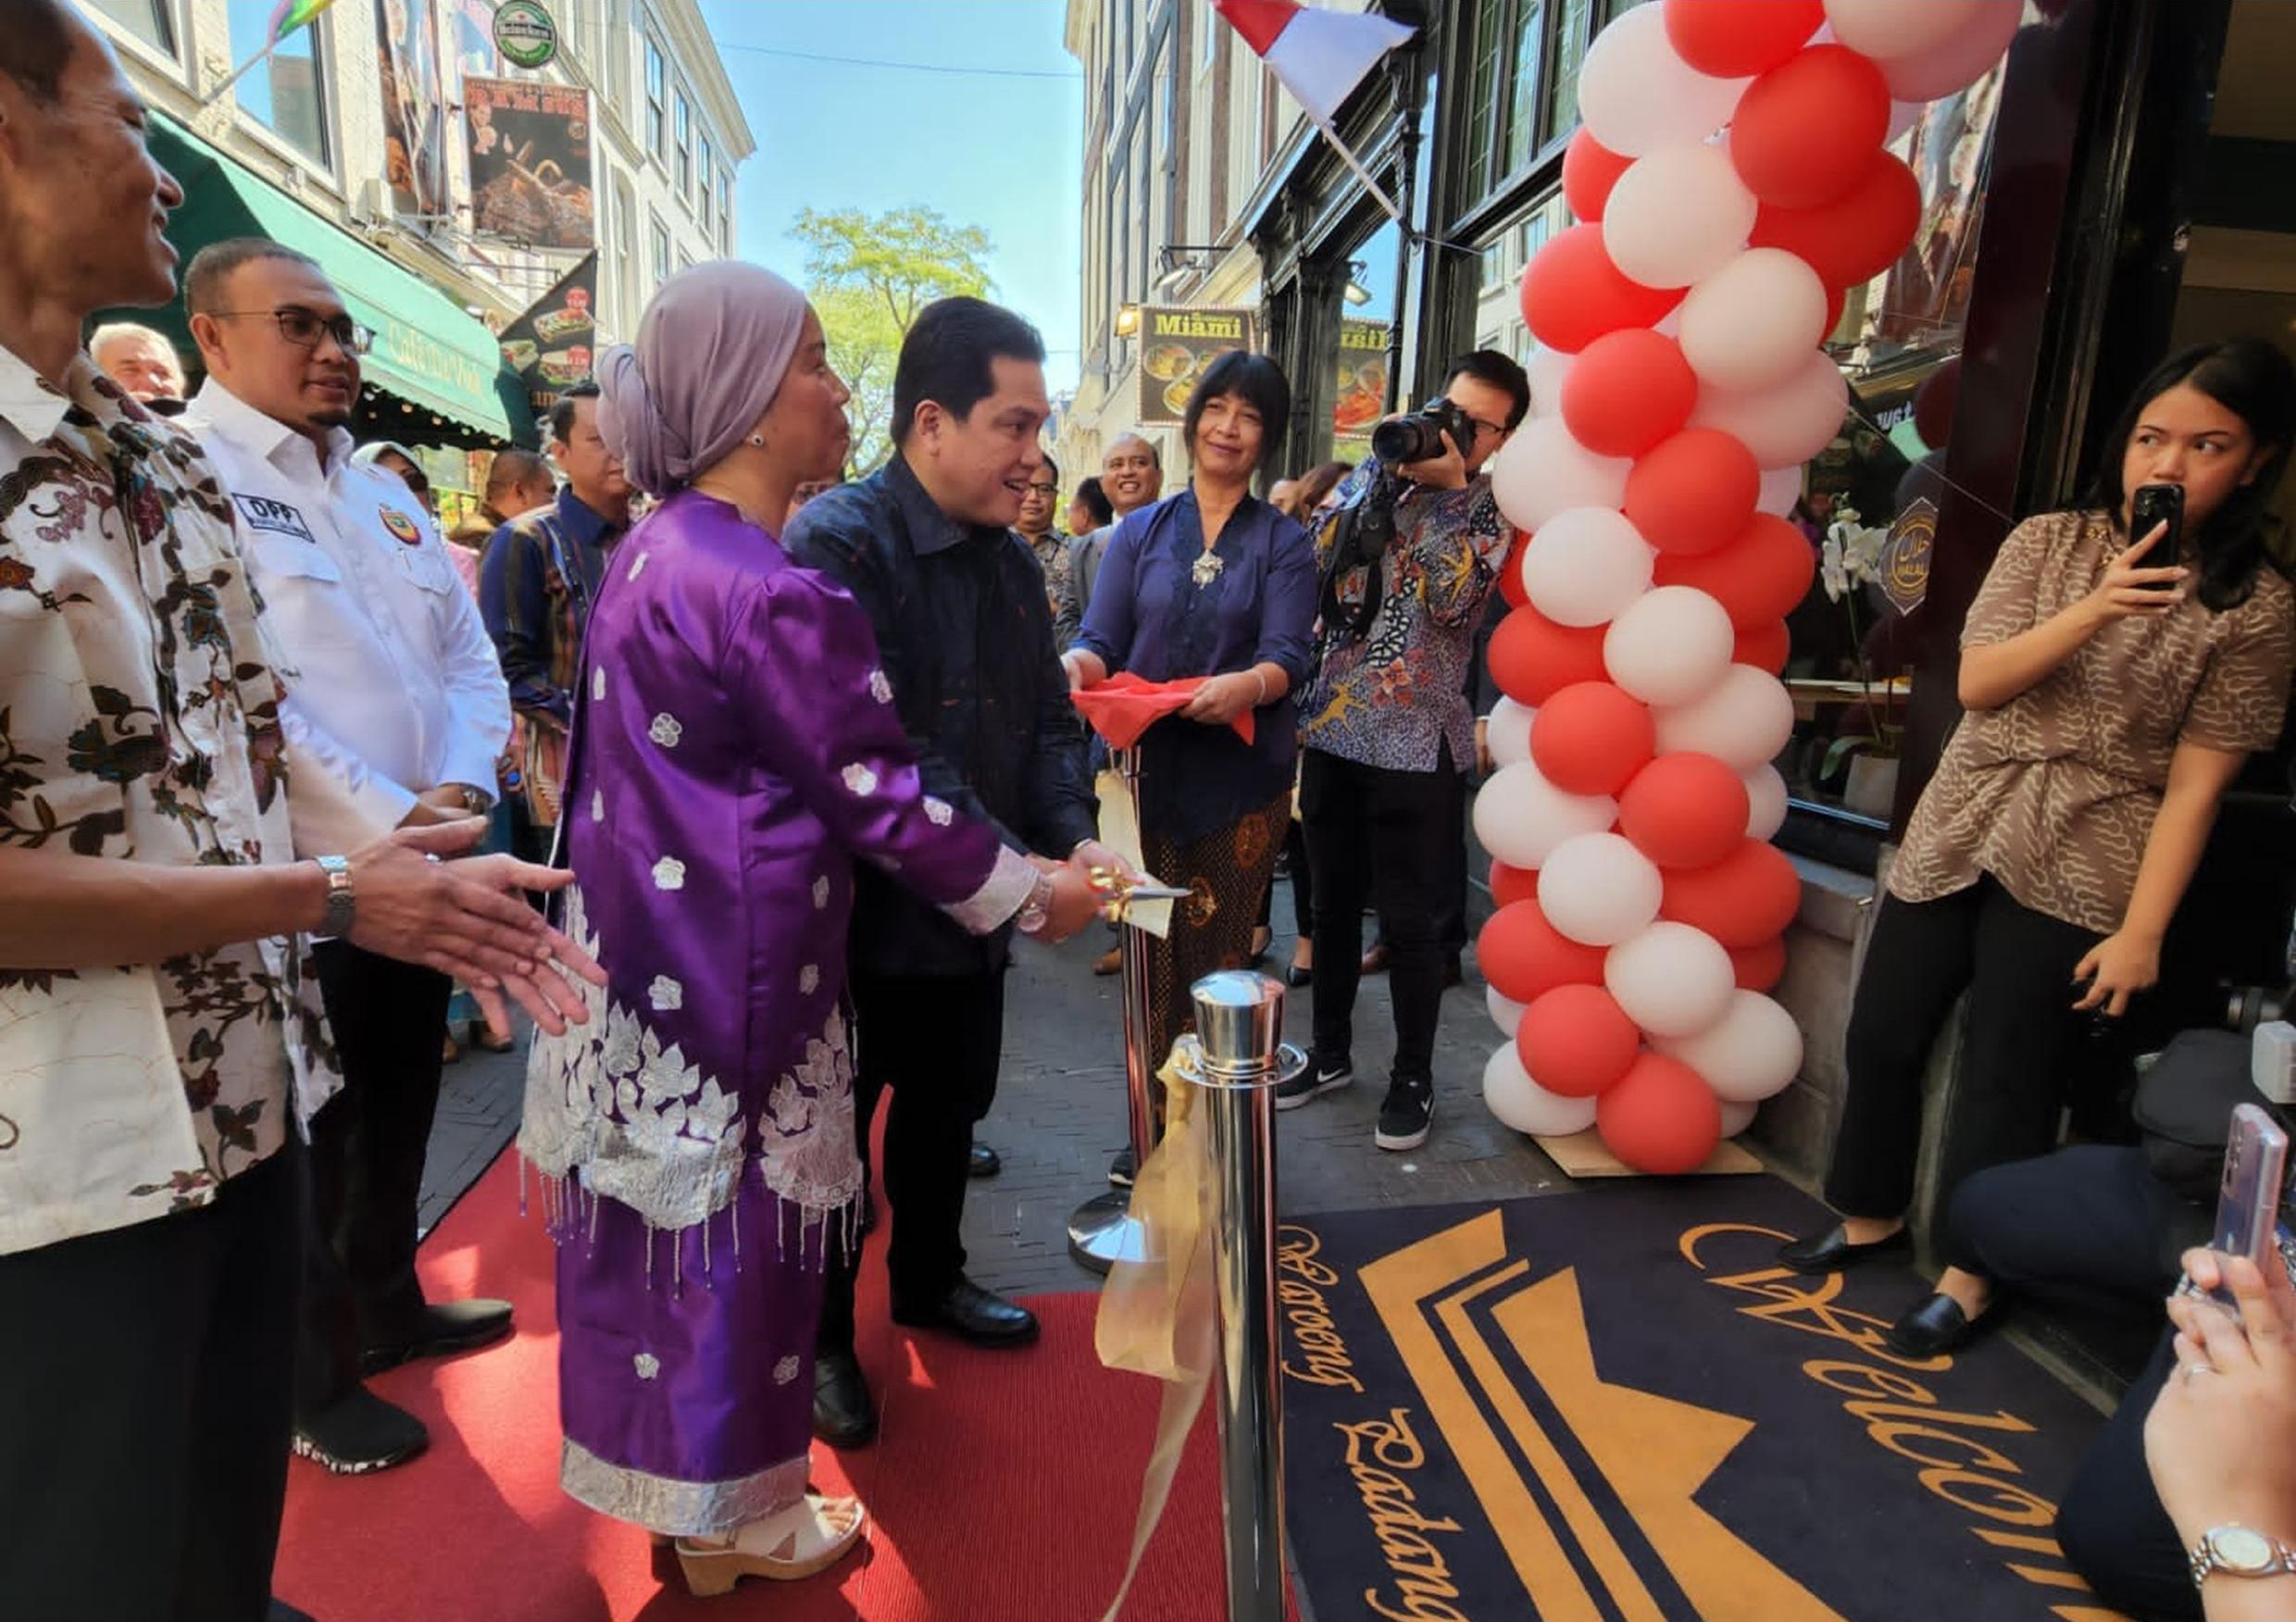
column 525, row 34
column 402, row 527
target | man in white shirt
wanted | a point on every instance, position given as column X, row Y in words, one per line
column 399, row 692
column 141, row 361
column 159, row 1037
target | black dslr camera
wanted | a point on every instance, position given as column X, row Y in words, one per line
column 1367, row 529
column 1419, row 437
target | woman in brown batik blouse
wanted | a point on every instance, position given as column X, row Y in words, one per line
column 2109, row 706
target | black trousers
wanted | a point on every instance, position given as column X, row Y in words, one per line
column 2017, row 967
column 936, row 1043
column 1392, row 836
column 367, row 1152
column 1295, row 866
column 2090, row 1227
column 144, row 1411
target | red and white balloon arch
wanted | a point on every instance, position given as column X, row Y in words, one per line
column 1732, row 181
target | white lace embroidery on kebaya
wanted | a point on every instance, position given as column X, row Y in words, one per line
column 597, row 805
column 638, row 566
column 786, row 1370
column 597, row 684
column 805, row 1134
column 808, row 981
column 647, row 1365
column 666, row 995
column 860, row 779
column 879, row 689
column 940, row 813
column 670, row 873
column 666, row 730
column 821, row 894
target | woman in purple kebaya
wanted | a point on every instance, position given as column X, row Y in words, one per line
column 735, row 750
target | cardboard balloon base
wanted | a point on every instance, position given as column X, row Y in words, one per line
column 1583, row 1155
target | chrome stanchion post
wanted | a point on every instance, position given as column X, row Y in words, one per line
column 1101, row 1231
column 1242, row 1056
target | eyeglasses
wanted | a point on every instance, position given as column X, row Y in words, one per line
column 1044, row 490
column 304, row 328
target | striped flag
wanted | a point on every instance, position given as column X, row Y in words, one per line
column 1321, row 56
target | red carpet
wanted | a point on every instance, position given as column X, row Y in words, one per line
column 1003, row 1487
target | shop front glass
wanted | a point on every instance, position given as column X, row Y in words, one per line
column 1360, row 356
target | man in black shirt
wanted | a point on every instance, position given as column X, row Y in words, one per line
column 958, row 604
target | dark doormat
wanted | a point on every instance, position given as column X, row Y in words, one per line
column 1614, row 1406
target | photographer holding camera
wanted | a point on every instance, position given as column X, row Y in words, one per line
column 1406, row 560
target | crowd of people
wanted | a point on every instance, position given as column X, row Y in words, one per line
column 283, row 767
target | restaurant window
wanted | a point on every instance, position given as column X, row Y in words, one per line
column 661, row 254
column 1573, row 32
column 656, row 90
column 685, row 148
column 1362, row 345
column 286, row 93
column 149, row 21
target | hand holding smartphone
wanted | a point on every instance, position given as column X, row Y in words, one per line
column 2153, row 506
column 2248, row 1200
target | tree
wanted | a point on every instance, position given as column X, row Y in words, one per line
column 868, row 276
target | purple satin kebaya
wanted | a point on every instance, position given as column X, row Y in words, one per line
column 735, row 750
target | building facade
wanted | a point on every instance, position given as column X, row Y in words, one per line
column 353, row 141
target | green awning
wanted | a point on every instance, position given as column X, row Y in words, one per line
column 428, row 352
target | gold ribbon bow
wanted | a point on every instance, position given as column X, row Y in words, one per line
column 1158, row 1314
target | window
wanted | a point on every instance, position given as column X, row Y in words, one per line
column 1482, row 110
column 685, row 148
column 1530, row 17
column 286, row 93
column 655, row 90
column 725, row 214
column 705, row 173
column 661, row 253
column 1573, row 32
column 149, row 21
column 631, row 297
column 685, row 260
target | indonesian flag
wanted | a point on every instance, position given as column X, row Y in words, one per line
column 1320, row 56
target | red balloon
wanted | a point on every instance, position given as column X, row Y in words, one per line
column 1531, row 657
column 1758, row 578
column 1660, row 1117
column 1590, row 170
column 1764, row 646
column 1806, row 131
column 1509, row 885
column 1859, row 234
column 1628, row 390
column 1523, row 958
column 1691, row 494
column 1511, row 585
column 1591, row 737
column 1731, row 39
column 1572, row 293
column 1759, row 968
column 1743, row 900
column 1684, row 810
column 1576, row 1040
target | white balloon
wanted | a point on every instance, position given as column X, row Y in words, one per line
column 1505, row 1012
column 1743, row 720
column 1751, row 323
column 1883, row 29
column 1547, row 367
column 1584, row 566
column 1736, row 1118
column 1508, row 732
column 1677, row 215
column 1520, row 817
column 1669, row 645
column 1670, row 324
column 1904, row 116
column 1956, row 63
column 1766, row 802
column 1518, row 1102
column 1787, row 423
column 1748, row 1055
column 1541, row 471
column 1598, row 890
column 1781, row 487
column 1637, row 95
column 1670, row 978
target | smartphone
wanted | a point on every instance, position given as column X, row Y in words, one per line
column 2153, row 505
column 2248, row 1201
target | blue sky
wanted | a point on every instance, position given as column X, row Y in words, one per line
column 1001, row 153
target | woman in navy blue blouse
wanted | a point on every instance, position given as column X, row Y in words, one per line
column 1211, row 581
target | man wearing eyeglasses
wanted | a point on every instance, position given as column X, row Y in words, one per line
column 399, row 681
column 1387, row 736
column 1035, row 526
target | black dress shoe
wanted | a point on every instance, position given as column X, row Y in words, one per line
column 1295, row 976
column 971, row 1314
column 1829, row 1250
column 441, row 1331
column 360, row 1435
column 983, row 1162
column 1935, row 1326
column 843, row 1413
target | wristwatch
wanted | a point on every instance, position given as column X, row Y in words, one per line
column 337, row 921
column 478, row 802
column 1037, row 911
column 2237, row 1552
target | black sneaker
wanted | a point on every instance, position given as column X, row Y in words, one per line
column 360, row 1435
column 1403, row 1117
column 1322, row 1075
column 1124, row 1168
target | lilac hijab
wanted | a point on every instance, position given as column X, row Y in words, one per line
column 710, row 356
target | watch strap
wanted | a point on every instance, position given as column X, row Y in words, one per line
column 2205, row 1560
column 336, row 923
